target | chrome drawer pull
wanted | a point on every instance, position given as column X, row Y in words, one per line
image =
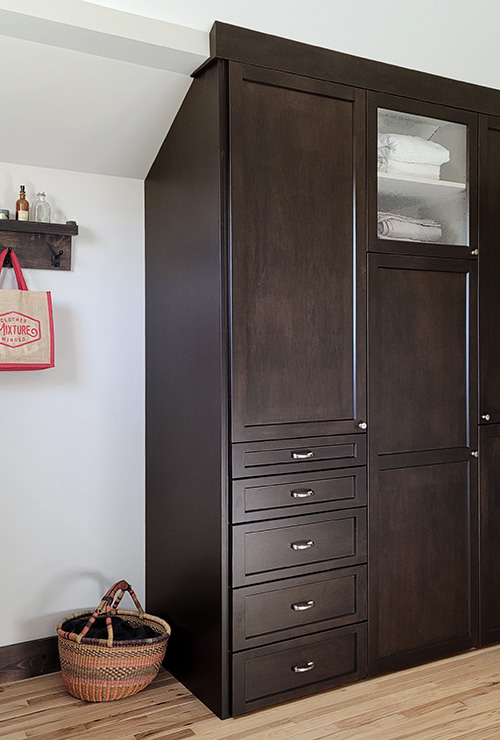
column 302, row 606
column 303, row 668
column 302, row 455
column 302, row 493
column 302, row 545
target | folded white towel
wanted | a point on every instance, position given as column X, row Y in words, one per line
column 411, row 149
column 431, row 171
column 393, row 226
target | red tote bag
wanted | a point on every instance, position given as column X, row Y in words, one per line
column 26, row 325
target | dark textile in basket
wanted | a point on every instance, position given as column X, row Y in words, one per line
column 122, row 629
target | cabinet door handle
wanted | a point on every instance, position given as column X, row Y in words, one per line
column 302, row 493
column 486, row 417
column 302, row 455
column 475, row 453
column 302, row 545
column 303, row 668
column 362, row 425
column 302, row 606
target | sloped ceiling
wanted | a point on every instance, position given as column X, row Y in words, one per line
column 93, row 86
column 90, row 89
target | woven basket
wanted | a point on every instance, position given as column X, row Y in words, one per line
column 105, row 670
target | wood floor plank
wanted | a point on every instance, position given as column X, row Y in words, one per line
column 453, row 699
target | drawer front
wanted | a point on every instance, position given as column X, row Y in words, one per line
column 273, row 674
column 292, row 456
column 298, row 545
column 285, row 609
column 286, row 495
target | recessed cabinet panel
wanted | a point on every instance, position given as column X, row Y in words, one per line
column 424, row 563
column 422, row 339
column 297, row 301
column 489, row 271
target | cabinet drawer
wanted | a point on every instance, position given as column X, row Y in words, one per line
column 285, row 609
column 298, row 545
column 270, row 675
column 286, row 495
column 292, row 456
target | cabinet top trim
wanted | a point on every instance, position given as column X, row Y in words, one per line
column 253, row 47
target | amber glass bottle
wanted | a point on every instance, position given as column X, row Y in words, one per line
column 22, row 206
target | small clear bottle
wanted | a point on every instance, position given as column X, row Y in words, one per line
column 41, row 209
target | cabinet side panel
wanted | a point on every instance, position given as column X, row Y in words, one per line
column 186, row 420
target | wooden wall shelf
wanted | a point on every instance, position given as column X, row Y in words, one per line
column 39, row 246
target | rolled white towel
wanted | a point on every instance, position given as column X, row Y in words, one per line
column 393, row 226
column 431, row 171
column 414, row 149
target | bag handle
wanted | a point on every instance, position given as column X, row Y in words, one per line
column 107, row 606
column 21, row 283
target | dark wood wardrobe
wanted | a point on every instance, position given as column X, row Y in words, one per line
column 317, row 341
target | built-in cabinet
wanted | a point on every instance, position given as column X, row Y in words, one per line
column 298, row 537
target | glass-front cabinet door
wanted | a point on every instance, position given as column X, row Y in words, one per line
column 422, row 177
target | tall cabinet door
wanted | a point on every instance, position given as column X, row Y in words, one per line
column 489, row 481
column 489, row 269
column 489, row 376
column 423, row 466
column 297, row 256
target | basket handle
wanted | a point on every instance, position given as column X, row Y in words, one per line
column 107, row 607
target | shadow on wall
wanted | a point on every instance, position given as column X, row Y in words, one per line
column 70, row 583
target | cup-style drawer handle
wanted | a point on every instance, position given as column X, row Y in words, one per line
column 302, row 455
column 302, row 493
column 303, row 668
column 302, row 606
column 302, row 545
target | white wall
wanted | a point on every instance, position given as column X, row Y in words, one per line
column 72, row 437
column 453, row 38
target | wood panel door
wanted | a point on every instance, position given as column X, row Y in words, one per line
column 490, row 532
column 489, row 269
column 423, row 489
column 297, row 256
column 422, row 358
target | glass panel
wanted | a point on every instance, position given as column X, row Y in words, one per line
column 422, row 179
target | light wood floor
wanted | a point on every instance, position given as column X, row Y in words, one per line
column 447, row 700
